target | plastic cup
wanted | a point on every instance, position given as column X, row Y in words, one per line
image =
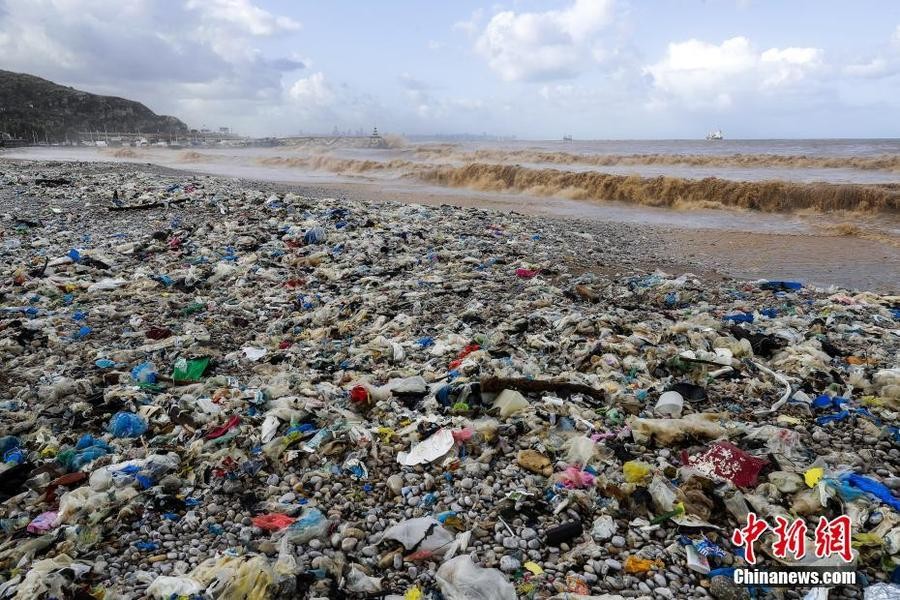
column 670, row 404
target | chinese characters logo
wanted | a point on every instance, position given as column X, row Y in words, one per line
column 830, row 537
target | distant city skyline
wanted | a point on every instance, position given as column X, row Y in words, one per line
column 598, row 69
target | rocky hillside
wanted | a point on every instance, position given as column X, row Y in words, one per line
column 32, row 106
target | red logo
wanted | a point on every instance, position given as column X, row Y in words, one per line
column 831, row 537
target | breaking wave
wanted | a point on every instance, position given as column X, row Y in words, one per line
column 192, row 156
column 122, row 153
column 886, row 162
column 336, row 165
column 675, row 192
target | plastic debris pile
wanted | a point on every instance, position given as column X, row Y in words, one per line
column 212, row 390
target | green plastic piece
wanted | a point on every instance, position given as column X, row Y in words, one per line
column 190, row 370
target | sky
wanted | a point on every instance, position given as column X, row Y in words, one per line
column 593, row 69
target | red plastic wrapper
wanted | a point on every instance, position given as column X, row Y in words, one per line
column 727, row 461
column 221, row 430
column 462, row 354
column 273, row 521
column 360, row 395
column 526, row 273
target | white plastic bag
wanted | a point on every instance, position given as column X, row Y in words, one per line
column 579, row 450
column 509, row 402
column 165, row 587
column 462, row 579
column 358, row 582
column 424, row 533
column 428, row 450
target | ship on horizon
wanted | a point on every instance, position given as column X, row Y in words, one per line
column 715, row 135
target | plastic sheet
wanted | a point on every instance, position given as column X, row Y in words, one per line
column 125, row 424
column 189, row 370
column 423, row 533
column 509, row 402
column 634, row 565
column 358, row 582
column 310, row 525
column 882, row 591
column 44, row 522
column 428, row 450
column 236, row 578
column 724, row 460
column 874, row 488
column 164, row 587
column 272, row 521
column 461, row 579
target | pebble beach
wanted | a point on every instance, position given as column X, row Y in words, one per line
column 219, row 388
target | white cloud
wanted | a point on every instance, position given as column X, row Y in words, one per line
column 556, row 44
column 312, row 91
column 701, row 75
column 884, row 64
column 789, row 65
column 877, row 67
column 244, row 15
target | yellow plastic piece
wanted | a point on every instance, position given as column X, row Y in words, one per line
column 534, row 568
column 635, row 566
column 237, row 577
column 813, row 476
column 413, row 593
column 866, row 539
column 635, row 471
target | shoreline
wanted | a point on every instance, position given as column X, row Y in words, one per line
column 816, row 259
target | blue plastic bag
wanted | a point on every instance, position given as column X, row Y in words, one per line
column 875, row 488
column 838, row 416
column 312, row 524
column 124, row 424
column 846, row 492
column 826, row 401
column 740, row 317
column 15, row 456
column 316, row 235
column 8, row 442
column 144, row 373
column 87, row 449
